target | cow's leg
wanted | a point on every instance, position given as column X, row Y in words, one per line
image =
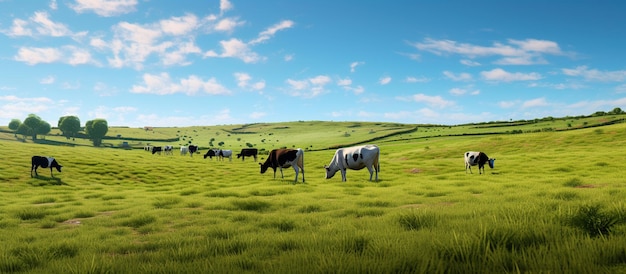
column 51, row 175
column 371, row 169
column 468, row 166
column 343, row 175
column 295, row 168
column 281, row 172
column 31, row 170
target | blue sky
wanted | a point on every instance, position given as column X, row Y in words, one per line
column 190, row 62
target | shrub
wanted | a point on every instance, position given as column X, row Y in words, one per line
column 590, row 219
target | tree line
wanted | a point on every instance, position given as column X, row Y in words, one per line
column 70, row 127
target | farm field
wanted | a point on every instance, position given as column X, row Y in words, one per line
column 554, row 203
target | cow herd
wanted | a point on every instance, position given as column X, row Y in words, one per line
column 354, row 158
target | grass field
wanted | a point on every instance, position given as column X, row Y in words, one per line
column 553, row 204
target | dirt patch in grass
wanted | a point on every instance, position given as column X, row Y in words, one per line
column 585, row 186
column 414, row 170
column 73, row 222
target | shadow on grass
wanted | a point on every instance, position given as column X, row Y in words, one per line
column 43, row 181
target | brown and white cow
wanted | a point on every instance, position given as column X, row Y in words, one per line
column 355, row 158
column 45, row 162
column 473, row 158
column 284, row 158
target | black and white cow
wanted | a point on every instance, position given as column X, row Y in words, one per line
column 284, row 158
column 168, row 150
column 355, row 158
column 157, row 150
column 247, row 152
column 224, row 153
column 211, row 153
column 45, row 162
column 473, row 158
column 192, row 149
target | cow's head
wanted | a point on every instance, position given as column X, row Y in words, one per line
column 329, row 172
column 263, row 167
column 490, row 161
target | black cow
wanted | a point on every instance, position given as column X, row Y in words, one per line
column 283, row 158
column 192, row 149
column 157, row 149
column 45, row 162
column 248, row 152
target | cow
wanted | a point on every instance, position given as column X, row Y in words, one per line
column 147, row 148
column 224, row 153
column 45, row 162
column 211, row 153
column 192, row 149
column 283, row 158
column 473, row 158
column 248, row 152
column 355, row 158
column 184, row 150
column 168, row 150
column 157, row 150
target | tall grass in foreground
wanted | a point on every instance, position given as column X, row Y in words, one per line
column 554, row 203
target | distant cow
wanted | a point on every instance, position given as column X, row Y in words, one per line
column 248, row 152
column 192, row 149
column 473, row 158
column 45, row 162
column 224, row 153
column 157, row 150
column 283, row 158
column 147, row 148
column 168, row 150
column 211, row 153
column 184, row 150
column 354, row 158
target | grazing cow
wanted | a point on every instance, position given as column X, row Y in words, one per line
column 211, row 153
column 184, row 150
column 168, row 150
column 157, row 150
column 473, row 158
column 248, row 152
column 224, row 153
column 192, row 149
column 283, row 158
column 355, row 158
column 147, row 148
column 41, row 161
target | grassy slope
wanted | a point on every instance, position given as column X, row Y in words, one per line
column 119, row 210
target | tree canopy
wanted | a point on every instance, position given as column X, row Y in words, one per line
column 34, row 125
column 69, row 125
column 96, row 129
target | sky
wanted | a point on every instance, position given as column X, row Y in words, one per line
column 181, row 63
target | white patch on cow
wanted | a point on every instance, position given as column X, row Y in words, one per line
column 355, row 158
column 50, row 159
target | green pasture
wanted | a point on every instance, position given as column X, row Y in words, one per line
column 553, row 204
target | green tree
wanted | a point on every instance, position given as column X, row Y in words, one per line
column 69, row 125
column 14, row 124
column 616, row 111
column 96, row 129
column 36, row 126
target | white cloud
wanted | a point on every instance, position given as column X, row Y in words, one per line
column 47, row 80
column 519, row 52
column 271, row 31
column 308, row 88
column 257, row 115
column 105, row 8
column 235, row 48
column 411, row 79
column 432, row 101
column 538, row 102
column 469, row 63
column 162, row 84
column 501, row 75
column 225, row 5
column 53, row 5
column 243, row 81
column 384, row 80
column 34, row 56
column 228, row 25
column 12, row 106
column 596, row 75
column 458, row 77
column 179, row 25
column 38, row 24
column 353, row 65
